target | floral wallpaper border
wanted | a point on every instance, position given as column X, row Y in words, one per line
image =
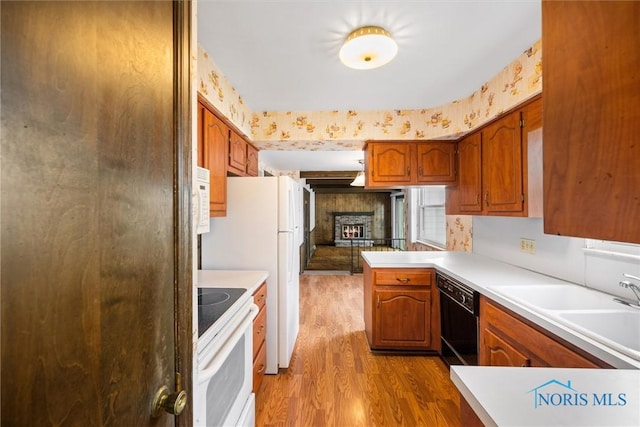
column 346, row 130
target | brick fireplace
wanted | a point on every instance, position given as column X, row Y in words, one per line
column 352, row 225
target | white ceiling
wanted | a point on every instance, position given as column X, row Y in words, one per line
column 282, row 55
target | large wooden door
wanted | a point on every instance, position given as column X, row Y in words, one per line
column 96, row 235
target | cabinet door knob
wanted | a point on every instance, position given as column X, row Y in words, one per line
column 403, row 279
column 378, row 301
column 486, row 198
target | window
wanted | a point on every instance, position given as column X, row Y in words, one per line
column 397, row 220
column 428, row 216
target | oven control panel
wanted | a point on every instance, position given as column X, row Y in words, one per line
column 458, row 292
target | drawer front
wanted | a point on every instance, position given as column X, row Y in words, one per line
column 405, row 278
column 260, row 296
column 259, row 330
column 259, row 366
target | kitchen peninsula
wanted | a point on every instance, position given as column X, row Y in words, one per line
column 541, row 302
column 491, row 278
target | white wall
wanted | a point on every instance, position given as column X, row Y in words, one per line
column 561, row 257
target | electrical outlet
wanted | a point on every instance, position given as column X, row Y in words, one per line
column 527, row 246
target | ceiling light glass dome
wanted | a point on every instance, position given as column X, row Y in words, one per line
column 367, row 48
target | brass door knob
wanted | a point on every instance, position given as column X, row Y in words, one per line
column 173, row 403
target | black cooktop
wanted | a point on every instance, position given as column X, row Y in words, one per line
column 212, row 303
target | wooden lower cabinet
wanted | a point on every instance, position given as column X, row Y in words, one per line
column 468, row 416
column 259, row 335
column 401, row 309
column 507, row 339
column 500, row 353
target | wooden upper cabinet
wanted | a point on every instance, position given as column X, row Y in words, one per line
column 212, row 151
column 237, row 154
column 502, row 165
column 470, row 182
column 436, row 162
column 243, row 157
column 388, row 164
column 252, row 160
column 591, row 119
column 404, row 163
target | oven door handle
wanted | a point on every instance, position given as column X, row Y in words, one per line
column 218, row 359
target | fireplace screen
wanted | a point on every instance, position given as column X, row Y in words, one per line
column 353, row 231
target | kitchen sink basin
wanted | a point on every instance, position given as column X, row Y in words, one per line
column 619, row 329
column 594, row 314
column 557, row 297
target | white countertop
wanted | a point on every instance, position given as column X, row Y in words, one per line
column 481, row 273
column 550, row 396
column 250, row 280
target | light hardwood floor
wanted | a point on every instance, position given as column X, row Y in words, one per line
column 335, row 380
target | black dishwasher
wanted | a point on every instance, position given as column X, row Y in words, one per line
column 458, row 321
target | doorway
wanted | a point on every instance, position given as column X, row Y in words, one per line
column 305, row 249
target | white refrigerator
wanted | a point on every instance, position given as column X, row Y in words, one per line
column 261, row 232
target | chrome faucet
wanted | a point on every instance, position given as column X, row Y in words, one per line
column 630, row 285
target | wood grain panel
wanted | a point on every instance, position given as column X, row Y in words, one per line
column 591, row 119
column 328, row 203
column 88, row 243
column 334, row 380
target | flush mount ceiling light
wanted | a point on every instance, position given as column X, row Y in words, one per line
column 367, row 48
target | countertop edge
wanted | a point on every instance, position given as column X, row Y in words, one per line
column 248, row 279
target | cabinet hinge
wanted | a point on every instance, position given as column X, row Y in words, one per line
column 522, row 197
